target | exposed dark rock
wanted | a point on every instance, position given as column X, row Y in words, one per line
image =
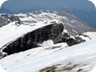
column 33, row 38
column 3, row 21
column 66, row 35
column 71, row 42
column 57, row 29
column 14, row 18
column 49, row 69
column 80, row 70
column 11, row 18
column 79, row 40
column 4, row 15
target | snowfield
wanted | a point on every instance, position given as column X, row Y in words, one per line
column 94, row 70
column 2, row 70
column 49, row 57
column 82, row 55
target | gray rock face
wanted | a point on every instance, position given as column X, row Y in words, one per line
column 32, row 39
column 14, row 18
column 9, row 18
column 54, row 31
column 2, row 21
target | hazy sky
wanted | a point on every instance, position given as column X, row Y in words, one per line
column 16, row 5
column 83, row 9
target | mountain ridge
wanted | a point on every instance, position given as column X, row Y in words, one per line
column 45, row 42
column 41, row 26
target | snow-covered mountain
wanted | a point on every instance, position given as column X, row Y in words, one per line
column 46, row 42
column 71, row 23
column 83, row 9
column 56, row 58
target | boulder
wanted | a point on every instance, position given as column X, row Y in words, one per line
column 71, row 42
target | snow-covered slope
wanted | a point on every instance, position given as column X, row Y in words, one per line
column 31, row 21
column 94, row 70
column 48, row 57
column 11, row 31
column 78, row 57
column 1, row 69
column 72, row 24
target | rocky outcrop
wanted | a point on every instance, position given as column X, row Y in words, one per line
column 33, row 38
column 11, row 18
column 65, row 37
column 3, row 21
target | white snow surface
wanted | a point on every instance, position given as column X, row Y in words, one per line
column 94, row 69
column 11, row 31
column 1, row 69
column 30, row 22
column 49, row 43
column 91, row 35
column 33, row 60
column 83, row 55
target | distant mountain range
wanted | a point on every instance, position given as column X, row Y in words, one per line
column 82, row 9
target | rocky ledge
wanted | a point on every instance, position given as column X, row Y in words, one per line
column 54, row 31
